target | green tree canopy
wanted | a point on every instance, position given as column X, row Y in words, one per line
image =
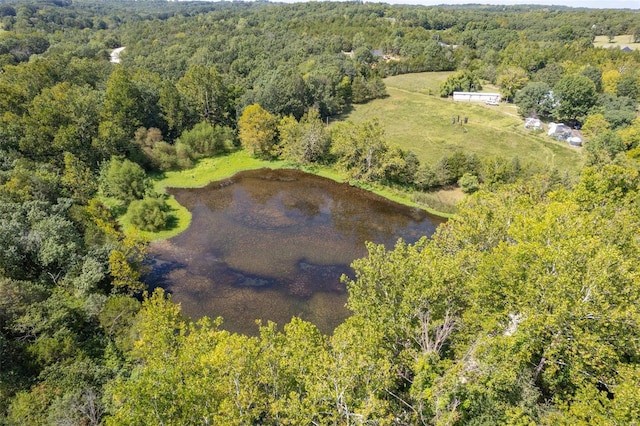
column 461, row 81
column 360, row 149
column 551, row 289
column 124, row 180
column 257, row 131
column 575, row 95
column 62, row 118
column 206, row 97
column 603, row 147
column 535, row 100
column 148, row 214
column 305, row 142
column 595, row 75
column 629, row 86
column 511, row 80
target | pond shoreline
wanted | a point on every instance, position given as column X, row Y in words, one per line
column 222, row 167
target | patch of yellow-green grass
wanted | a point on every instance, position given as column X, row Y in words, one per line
column 432, row 127
column 212, row 169
column 326, row 172
column 410, row 199
column 180, row 218
column 449, row 196
column 618, row 41
column 398, row 195
column 444, row 200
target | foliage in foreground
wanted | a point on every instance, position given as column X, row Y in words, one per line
column 521, row 310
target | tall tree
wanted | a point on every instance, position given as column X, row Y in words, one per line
column 535, row 100
column 360, row 148
column 281, row 92
column 257, row 131
column 629, row 86
column 511, row 80
column 63, row 118
column 122, row 101
column 463, row 81
column 124, row 180
column 121, row 114
column 304, row 142
column 595, row 75
column 206, row 96
column 576, row 95
column 603, row 147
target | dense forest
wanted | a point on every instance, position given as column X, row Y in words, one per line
column 522, row 309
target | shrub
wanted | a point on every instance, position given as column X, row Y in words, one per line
column 205, row 140
column 124, row 180
column 469, row 183
column 426, row 178
column 149, row 214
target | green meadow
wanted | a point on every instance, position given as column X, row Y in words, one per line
column 417, row 119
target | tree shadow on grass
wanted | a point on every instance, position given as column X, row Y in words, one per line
column 172, row 222
column 343, row 115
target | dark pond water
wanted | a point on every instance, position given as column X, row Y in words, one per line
column 272, row 244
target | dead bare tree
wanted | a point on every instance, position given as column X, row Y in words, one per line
column 431, row 338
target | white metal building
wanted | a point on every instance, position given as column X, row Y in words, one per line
column 476, row 97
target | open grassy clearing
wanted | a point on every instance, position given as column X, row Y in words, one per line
column 415, row 120
column 618, row 41
column 425, row 83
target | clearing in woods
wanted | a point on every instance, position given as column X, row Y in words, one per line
column 618, row 42
column 416, row 118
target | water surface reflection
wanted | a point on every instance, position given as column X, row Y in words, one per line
column 271, row 244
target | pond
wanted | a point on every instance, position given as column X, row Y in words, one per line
column 273, row 244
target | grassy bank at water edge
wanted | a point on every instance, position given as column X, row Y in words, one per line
column 217, row 168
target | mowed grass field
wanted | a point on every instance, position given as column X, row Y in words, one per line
column 417, row 119
column 618, row 41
